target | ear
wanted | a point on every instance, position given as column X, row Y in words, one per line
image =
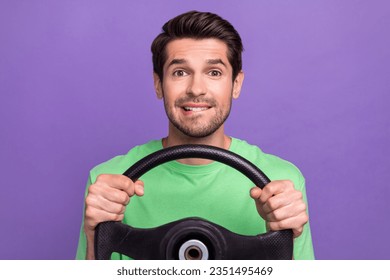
column 237, row 84
column 157, row 86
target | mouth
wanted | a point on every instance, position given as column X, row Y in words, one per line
column 195, row 107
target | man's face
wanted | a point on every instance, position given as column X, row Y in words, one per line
column 197, row 87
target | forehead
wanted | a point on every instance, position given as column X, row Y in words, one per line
column 193, row 50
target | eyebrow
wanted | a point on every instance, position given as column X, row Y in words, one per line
column 215, row 61
column 184, row 61
column 177, row 61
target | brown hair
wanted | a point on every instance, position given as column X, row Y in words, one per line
column 197, row 25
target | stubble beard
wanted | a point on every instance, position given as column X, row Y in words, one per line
column 195, row 128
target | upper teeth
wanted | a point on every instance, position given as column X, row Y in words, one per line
column 195, row 109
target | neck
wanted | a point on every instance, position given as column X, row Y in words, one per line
column 217, row 139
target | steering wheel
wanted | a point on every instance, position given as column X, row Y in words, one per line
column 191, row 238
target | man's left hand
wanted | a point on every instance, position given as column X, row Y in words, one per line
column 281, row 206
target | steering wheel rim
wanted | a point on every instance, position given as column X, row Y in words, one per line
column 277, row 245
column 198, row 151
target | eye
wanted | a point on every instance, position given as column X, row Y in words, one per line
column 179, row 73
column 215, row 73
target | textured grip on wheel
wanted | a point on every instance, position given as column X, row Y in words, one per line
column 198, row 151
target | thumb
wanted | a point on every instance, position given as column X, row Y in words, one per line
column 139, row 188
column 255, row 193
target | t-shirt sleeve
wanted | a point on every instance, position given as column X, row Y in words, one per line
column 303, row 246
column 82, row 245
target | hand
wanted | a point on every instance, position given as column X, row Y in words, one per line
column 106, row 201
column 281, row 206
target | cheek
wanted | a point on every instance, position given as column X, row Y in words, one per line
column 221, row 86
column 173, row 90
column 223, row 93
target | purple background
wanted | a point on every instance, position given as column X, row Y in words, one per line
column 76, row 89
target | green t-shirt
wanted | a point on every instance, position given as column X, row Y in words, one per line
column 215, row 192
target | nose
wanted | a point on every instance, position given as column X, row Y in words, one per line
column 197, row 86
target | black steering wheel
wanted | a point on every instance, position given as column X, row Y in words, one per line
column 192, row 238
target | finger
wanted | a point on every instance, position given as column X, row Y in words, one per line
column 101, row 203
column 255, row 193
column 122, row 197
column 116, row 181
column 281, row 200
column 115, row 195
column 95, row 216
column 103, row 189
column 295, row 223
column 286, row 212
column 274, row 188
column 139, row 188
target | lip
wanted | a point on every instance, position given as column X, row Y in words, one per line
column 194, row 105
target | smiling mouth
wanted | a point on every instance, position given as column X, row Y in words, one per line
column 195, row 109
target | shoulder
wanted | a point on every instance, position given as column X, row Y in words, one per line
column 120, row 163
column 273, row 166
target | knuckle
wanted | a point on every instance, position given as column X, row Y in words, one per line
column 288, row 184
column 283, row 224
column 118, row 217
column 101, row 177
column 88, row 200
column 304, row 207
column 300, row 221
column 305, row 218
column 119, row 209
column 126, row 199
column 267, row 192
column 272, row 203
column 123, row 197
column 89, row 212
column 126, row 183
column 92, row 188
column 299, row 195
column 271, row 187
column 274, row 226
column 277, row 215
column 298, row 231
column 116, row 196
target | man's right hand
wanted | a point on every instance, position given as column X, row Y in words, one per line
column 106, row 201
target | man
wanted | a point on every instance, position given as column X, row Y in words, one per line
column 197, row 72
